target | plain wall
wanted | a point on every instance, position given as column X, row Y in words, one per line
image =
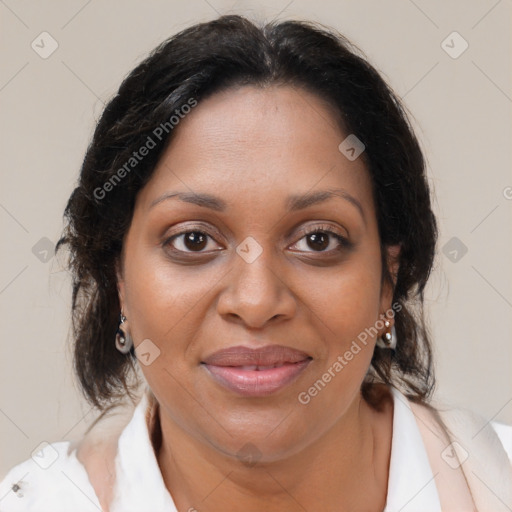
column 462, row 113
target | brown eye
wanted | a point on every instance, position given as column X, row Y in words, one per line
column 194, row 240
column 322, row 240
column 318, row 241
column 189, row 241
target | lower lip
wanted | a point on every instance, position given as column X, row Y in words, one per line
column 256, row 382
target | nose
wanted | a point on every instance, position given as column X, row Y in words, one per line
column 257, row 292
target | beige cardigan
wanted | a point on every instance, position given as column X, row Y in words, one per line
column 467, row 458
column 471, row 468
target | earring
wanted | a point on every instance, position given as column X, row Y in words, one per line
column 388, row 340
column 124, row 342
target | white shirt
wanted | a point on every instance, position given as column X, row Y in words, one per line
column 54, row 481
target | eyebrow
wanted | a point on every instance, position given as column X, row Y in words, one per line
column 293, row 202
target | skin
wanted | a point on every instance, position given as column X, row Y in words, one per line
column 252, row 148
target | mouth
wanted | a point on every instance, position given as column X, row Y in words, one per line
column 256, row 372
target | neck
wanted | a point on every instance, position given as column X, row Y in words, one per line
column 346, row 469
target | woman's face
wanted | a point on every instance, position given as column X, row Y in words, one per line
column 241, row 268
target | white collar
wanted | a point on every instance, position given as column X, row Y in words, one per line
column 411, row 484
column 139, row 482
column 140, row 485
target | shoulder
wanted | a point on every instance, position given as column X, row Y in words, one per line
column 504, row 433
column 51, row 480
column 460, row 422
column 478, row 433
column 62, row 476
column 478, row 446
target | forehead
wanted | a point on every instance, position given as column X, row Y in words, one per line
column 258, row 144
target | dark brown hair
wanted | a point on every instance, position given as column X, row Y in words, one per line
column 206, row 58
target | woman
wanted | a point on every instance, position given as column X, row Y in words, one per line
column 250, row 240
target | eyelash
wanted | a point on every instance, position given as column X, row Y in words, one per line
column 344, row 243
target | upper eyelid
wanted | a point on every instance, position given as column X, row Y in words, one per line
column 304, row 231
column 307, row 229
column 323, row 227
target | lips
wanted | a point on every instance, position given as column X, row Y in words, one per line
column 256, row 372
column 268, row 356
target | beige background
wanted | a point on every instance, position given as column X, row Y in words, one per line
column 462, row 109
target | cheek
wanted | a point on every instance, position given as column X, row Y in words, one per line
column 346, row 307
column 156, row 299
column 166, row 302
column 347, row 301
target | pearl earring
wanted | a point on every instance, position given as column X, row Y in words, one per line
column 124, row 342
column 388, row 340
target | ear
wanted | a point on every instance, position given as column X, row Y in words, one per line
column 387, row 288
column 393, row 260
column 120, row 284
